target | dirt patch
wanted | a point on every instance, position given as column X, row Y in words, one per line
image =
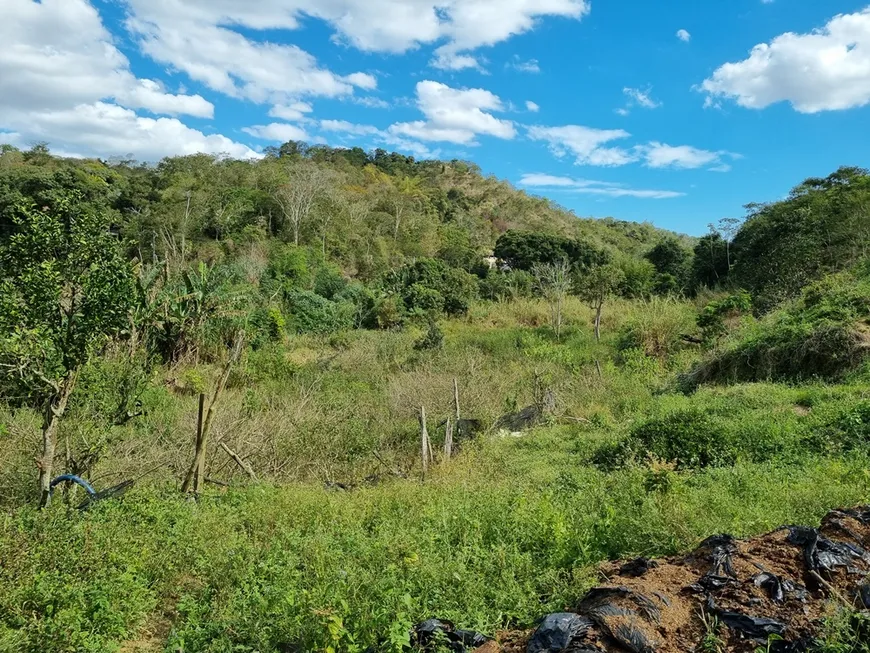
column 781, row 584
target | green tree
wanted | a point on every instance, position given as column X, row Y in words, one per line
column 596, row 286
column 521, row 250
column 65, row 290
column 672, row 262
column 710, row 263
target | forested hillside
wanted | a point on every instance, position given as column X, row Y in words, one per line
column 273, row 338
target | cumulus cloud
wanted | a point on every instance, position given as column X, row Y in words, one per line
column 371, row 134
column 825, row 70
column 294, row 111
column 394, row 26
column 105, row 130
column 585, row 144
column 455, row 115
column 63, row 81
column 348, row 127
column 590, row 187
column 531, row 106
column 58, row 54
column 684, row 36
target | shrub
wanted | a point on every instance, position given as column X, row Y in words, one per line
column 432, row 340
column 429, row 285
column 689, row 438
column 312, row 313
column 655, row 328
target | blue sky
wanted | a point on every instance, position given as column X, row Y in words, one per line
column 677, row 112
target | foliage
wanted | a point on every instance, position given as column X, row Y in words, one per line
column 714, row 317
column 430, row 286
column 311, row 313
column 64, row 290
column 820, row 335
column 521, row 250
column 671, row 261
column 822, row 227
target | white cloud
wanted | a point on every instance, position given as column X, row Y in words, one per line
column 57, row 54
column 355, row 131
column 277, row 131
column 455, row 115
column 585, row 143
column 660, row 155
column 684, row 36
column 641, row 98
column 825, row 70
column 452, row 61
column 531, row 106
column 63, row 81
column 294, row 111
column 622, row 111
column 363, row 80
column 530, row 66
column 371, row 102
column 369, row 25
column 106, row 130
column 589, row 187
column 348, row 127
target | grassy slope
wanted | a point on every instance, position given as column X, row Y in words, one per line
column 508, row 531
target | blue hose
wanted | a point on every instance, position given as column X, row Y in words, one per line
column 72, row 479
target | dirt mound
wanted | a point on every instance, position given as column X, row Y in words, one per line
column 737, row 593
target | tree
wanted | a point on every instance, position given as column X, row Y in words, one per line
column 597, row 285
column 554, row 282
column 306, row 183
column 521, row 250
column 64, row 291
column 710, row 263
column 671, row 261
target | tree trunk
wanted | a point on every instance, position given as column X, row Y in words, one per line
column 53, row 413
column 598, row 310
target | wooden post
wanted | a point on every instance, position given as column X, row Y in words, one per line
column 196, row 473
column 598, row 367
column 456, row 398
column 448, row 440
column 424, row 441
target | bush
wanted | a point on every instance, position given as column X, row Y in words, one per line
column 312, row 313
column 656, row 328
column 819, row 336
column 430, row 286
column 715, row 317
column 690, row 438
column 432, row 340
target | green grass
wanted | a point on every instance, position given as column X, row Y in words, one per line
column 511, row 532
column 511, row 529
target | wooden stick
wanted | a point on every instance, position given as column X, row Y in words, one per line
column 196, row 473
column 456, row 399
column 448, row 440
column 424, row 441
column 241, row 463
column 833, row 590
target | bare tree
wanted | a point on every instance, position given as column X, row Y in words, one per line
column 554, row 282
column 306, row 184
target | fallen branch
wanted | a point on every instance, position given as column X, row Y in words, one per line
column 241, row 463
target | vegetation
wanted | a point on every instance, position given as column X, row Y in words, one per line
column 689, row 391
